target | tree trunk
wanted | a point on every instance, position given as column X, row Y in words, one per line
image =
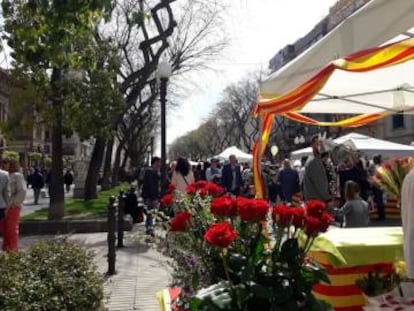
column 94, row 167
column 57, row 192
column 124, row 159
column 117, row 164
column 106, row 182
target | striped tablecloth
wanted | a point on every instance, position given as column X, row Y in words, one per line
column 392, row 210
column 349, row 254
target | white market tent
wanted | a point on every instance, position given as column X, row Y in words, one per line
column 384, row 90
column 233, row 150
column 367, row 145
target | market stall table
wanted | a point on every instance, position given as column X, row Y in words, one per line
column 348, row 255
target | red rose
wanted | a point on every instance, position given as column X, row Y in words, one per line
column 200, row 184
column 191, row 189
column 252, row 209
column 378, row 176
column 181, row 221
column 282, row 215
column 204, row 188
column 315, row 208
column 195, row 186
column 314, row 226
column 388, row 166
column 213, row 189
column 167, row 199
column 221, row 234
column 298, row 218
column 326, row 220
column 224, row 206
column 171, row 188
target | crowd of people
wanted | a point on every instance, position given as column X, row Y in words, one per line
column 236, row 179
column 345, row 188
column 38, row 180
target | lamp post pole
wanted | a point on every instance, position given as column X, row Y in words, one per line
column 163, row 73
column 163, row 95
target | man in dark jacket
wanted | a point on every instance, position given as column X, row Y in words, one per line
column 315, row 181
column 68, row 179
column 151, row 190
column 37, row 183
column 131, row 203
column 231, row 176
column 289, row 181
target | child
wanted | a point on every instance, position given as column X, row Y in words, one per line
column 355, row 212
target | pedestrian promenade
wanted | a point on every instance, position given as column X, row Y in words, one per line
column 141, row 270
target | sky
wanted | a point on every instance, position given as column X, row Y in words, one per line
column 257, row 29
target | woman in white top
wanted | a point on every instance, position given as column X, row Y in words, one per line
column 17, row 194
column 182, row 176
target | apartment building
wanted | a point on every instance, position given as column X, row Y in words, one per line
column 397, row 128
column 33, row 137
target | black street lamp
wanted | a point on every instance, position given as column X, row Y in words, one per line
column 164, row 72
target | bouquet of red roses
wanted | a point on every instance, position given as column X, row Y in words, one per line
column 235, row 253
column 390, row 176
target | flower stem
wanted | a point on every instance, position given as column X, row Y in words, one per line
column 226, row 271
column 226, row 268
column 308, row 244
column 279, row 237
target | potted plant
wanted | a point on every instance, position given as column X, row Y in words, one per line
column 382, row 285
column 242, row 254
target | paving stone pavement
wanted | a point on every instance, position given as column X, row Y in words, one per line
column 141, row 270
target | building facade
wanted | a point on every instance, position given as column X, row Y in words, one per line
column 397, row 128
column 35, row 137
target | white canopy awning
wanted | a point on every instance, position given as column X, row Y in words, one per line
column 367, row 145
column 233, row 150
column 390, row 89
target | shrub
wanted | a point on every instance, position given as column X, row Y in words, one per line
column 50, row 276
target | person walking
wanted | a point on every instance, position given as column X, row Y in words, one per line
column 37, row 183
column 315, row 181
column 289, row 181
column 131, row 203
column 232, row 180
column 274, row 188
column 151, row 192
column 182, row 175
column 213, row 173
column 17, row 194
column 68, row 179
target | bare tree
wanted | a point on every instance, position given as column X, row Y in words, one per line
column 139, row 31
column 237, row 104
column 231, row 122
column 185, row 32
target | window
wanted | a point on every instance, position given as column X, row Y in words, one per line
column 397, row 121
